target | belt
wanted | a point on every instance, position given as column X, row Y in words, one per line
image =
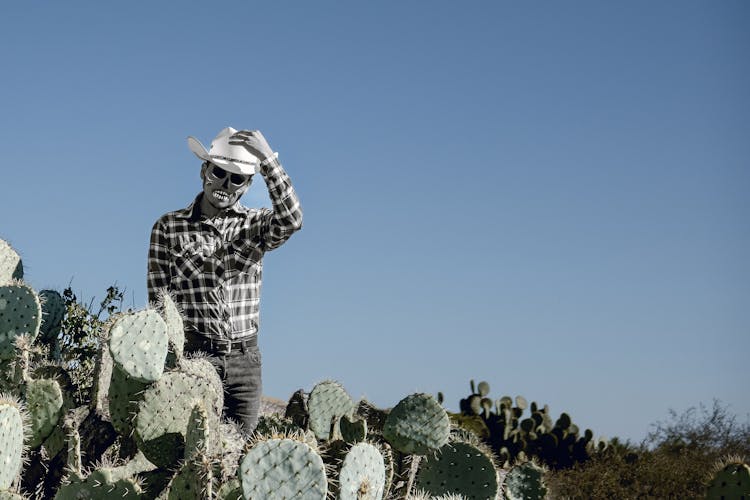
column 196, row 342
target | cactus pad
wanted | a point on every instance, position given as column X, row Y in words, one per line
column 164, row 412
column 483, row 388
column 11, row 267
column 197, row 433
column 231, row 490
column 417, row 425
column 99, row 485
column 11, row 441
column 193, row 481
column 459, row 468
column 525, row 481
column 20, row 314
column 202, row 367
column 175, row 325
column 274, row 424
column 230, row 448
column 328, row 401
column 731, row 481
column 353, row 430
column 283, row 468
column 362, row 475
column 138, row 343
column 45, row 404
column 123, row 397
column 53, row 311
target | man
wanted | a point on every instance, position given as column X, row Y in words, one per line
column 209, row 256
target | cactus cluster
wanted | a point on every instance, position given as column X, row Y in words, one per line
column 152, row 427
column 513, row 436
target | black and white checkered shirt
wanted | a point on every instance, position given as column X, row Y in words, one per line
column 213, row 267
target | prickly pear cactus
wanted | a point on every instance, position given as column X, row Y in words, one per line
column 202, row 367
column 327, row 402
column 123, row 397
column 362, row 474
column 164, row 412
column 12, row 433
column 374, row 416
column 417, row 425
column 423, row 495
column 175, row 325
column 197, row 435
column 74, row 449
column 296, row 409
column 99, row 485
column 525, row 482
column 11, row 267
column 353, row 430
column 274, row 424
column 44, row 399
column 53, row 311
column 20, row 314
column 231, row 449
column 138, row 343
column 193, row 481
column 732, row 480
column 283, row 468
column 231, row 490
column 461, row 468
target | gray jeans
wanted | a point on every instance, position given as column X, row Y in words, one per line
column 240, row 371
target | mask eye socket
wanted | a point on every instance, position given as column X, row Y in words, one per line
column 217, row 172
column 238, row 179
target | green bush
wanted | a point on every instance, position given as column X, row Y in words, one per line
column 79, row 340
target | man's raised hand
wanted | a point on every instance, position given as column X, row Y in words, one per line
column 254, row 142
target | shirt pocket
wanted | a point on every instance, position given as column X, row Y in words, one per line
column 188, row 259
column 245, row 258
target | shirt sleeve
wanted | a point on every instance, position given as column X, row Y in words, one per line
column 158, row 262
column 285, row 219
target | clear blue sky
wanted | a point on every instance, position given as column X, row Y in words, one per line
column 552, row 197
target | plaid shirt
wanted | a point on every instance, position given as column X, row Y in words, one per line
column 213, row 267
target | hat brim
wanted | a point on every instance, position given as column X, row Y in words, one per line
column 197, row 148
column 236, row 168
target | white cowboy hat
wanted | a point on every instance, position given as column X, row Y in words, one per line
column 234, row 159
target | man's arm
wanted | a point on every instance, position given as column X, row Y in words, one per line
column 285, row 219
column 279, row 224
column 158, row 262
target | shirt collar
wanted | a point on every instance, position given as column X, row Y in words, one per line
column 192, row 212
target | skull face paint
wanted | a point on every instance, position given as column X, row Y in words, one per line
column 222, row 189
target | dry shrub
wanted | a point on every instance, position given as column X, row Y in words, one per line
column 672, row 462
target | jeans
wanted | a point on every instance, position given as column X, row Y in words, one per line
column 240, row 372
